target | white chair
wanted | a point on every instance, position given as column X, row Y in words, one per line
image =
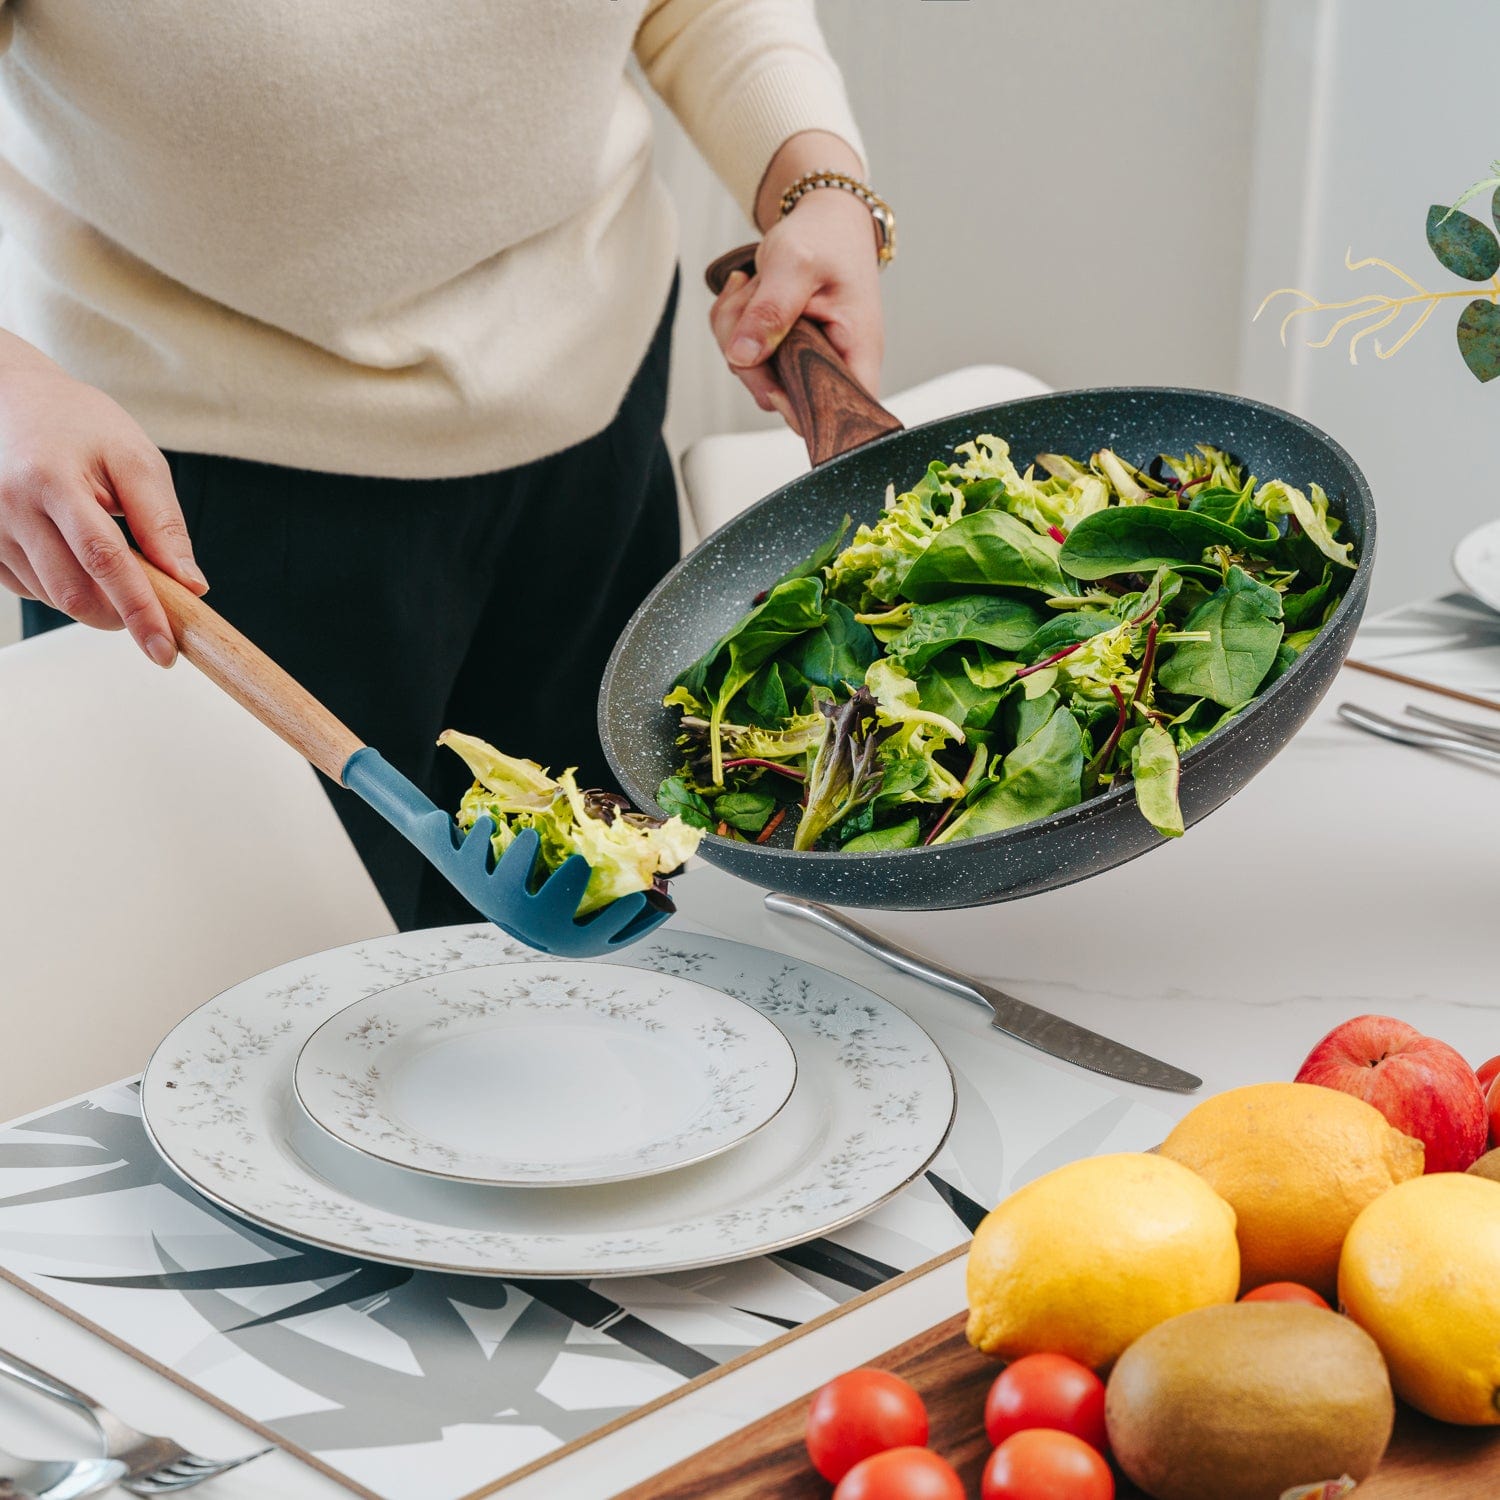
column 724, row 474
column 157, row 844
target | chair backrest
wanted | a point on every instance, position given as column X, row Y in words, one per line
column 157, row 844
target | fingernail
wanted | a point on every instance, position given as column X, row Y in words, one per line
column 737, row 279
column 190, row 572
column 161, row 650
column 744, row 350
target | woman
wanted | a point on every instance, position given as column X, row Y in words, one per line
column 362, row 313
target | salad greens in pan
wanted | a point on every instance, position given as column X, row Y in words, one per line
column 627, row 851
column 999, row 646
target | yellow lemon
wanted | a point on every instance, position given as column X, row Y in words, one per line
column 1297, row 1162
column 1420, row 1274
column 1086, row 1259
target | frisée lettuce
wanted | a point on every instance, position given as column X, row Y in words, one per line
column 626, row 851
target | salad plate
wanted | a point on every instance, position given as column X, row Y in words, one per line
column 548, row 1074
column 1476, row 561
column 872, row 1105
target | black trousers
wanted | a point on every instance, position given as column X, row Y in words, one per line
column 486, row 604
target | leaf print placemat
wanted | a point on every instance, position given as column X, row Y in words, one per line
column 403, row 1384
column 1453, row 642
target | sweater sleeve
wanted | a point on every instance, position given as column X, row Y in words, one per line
column 743, row 76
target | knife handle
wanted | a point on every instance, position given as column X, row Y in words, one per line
column 877, row 947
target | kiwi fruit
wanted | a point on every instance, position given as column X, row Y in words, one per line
column 1246, row 1400
column 1488, row 1165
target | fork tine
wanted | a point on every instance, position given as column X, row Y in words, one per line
column 185, row 1472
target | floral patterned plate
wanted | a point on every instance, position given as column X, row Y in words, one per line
column 872, row 1106
column 553, row 1075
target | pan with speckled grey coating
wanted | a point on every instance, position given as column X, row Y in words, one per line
column 715, row 584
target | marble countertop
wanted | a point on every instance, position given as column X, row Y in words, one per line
column 1352, row 875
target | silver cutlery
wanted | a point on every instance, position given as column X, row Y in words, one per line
column 1016, row 1018
column 1413, row 734
column 1485, row 733
column 147, row 1464
column 56, row 1479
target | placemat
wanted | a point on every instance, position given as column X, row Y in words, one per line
column 1452, row 642
column 402, row 1384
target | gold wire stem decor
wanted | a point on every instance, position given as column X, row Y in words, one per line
column 1375, row 310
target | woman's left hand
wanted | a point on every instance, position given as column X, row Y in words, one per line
column 818, row 262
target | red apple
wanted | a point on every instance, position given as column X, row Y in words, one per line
column 1421, row 1085
column 1494, row 1105
column 1486, row 1072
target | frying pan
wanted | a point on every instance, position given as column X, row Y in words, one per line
column 857, row 448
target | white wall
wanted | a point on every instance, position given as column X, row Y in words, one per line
column 1370, row 110
column 1070, row 180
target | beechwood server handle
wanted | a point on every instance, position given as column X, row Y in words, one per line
column 252, row 679
column 835, row 412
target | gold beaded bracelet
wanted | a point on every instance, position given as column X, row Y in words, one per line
column 880, row 210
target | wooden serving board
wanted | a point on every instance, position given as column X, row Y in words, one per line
column 1426, row 1460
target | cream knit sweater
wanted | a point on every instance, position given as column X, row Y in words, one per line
column 371, row 236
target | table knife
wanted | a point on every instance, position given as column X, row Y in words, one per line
column 1016, row 1018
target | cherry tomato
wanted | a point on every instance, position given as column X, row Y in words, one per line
column 1285, row 1291
column 1043, row 1465
column 860, row 1413
column 1488, row 1072
column 901, row 1474
column 1047, row 1390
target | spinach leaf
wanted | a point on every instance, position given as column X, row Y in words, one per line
column 948, row 690
column 819, row 558
column 788, row 611
column 836, row 653
column 1305, row 610
column 1285, row 659
column 1042, row 776
column 1243, row 620
column 1141, row 538
column 1221, row 503
column 1024, row 716
column 1005, row 624
column 677, row 799
column 991, row 548
column 905, row 835
column 767, row 705
column 1154, row 769
column 1066, row 630
column 747, row 811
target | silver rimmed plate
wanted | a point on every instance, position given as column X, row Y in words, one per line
column 1476, row 561
column 547, row 1074
column 872, row 1106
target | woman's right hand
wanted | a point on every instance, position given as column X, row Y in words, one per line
column 70, row 459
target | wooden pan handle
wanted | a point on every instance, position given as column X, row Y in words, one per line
column 836, row 413
column 252, row 679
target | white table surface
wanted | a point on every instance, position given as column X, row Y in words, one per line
column 1352, row 875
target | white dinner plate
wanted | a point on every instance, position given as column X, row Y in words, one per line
column 1476, row 560
column 548, row 1074
column 872, row 1106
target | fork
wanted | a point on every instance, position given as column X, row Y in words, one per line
column 55, row 1479
column 150, row 1465
column 1458, row 742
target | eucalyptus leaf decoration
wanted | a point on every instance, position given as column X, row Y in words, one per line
column 1464, row 246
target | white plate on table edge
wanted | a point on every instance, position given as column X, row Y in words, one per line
column 597, row 1072
column 1476, row 561
column 872, row 1107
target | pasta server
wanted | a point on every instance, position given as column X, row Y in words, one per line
column 536, row 909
